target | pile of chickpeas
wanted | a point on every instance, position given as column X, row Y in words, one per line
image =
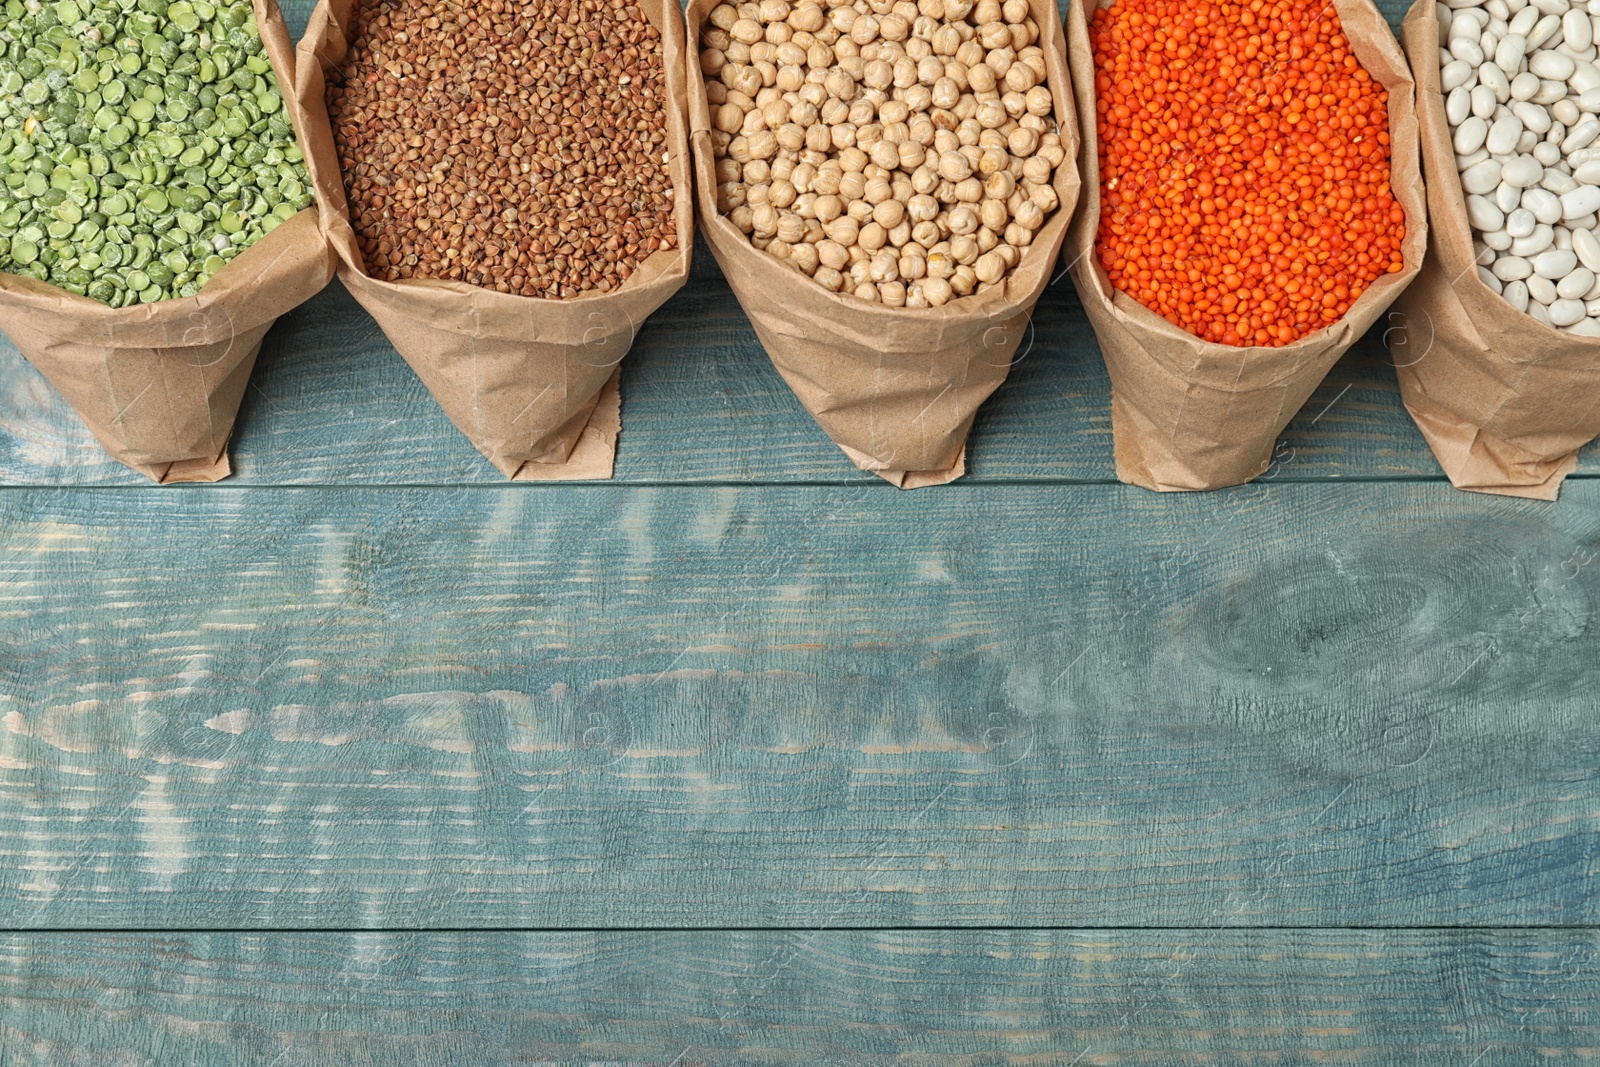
column 900, row 152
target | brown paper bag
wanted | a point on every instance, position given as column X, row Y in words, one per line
column 1192, row 414
column 1504, row 400
column 532, row 382
column 159, row 384
column 896, row 389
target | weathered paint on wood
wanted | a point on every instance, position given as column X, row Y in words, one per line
column 1485, row 998
column 1290, row 705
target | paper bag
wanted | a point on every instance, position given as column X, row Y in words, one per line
column 1504, row 400
column 1193, row 414
column 896, row 388
column 532, row 382
column 159, row 384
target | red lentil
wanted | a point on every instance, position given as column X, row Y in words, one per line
column 1244, row 166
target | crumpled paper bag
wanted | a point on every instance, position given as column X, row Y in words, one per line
column 159, row 384
column 897, row 389
column 532, row 382
column 1504, row 401
column 1192, row 414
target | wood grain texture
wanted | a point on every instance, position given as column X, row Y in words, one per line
column 1484, row 998
column 614, row 706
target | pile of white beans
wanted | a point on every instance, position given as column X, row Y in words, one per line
column 1522, row 93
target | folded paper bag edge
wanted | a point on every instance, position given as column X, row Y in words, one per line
column 159, row 384
column 1504, row 401
column 524, row 378
column 845, row 347
column 1140, row 348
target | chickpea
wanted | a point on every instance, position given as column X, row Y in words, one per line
column 844, row 230
column 807, row 17
column 804, row 256
column 1037, row 169
column 990, row 267
column 953, row 166
column 829, row 278
column 832, row 254
column 1023, row 142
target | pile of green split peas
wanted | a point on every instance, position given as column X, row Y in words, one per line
column 142, row 144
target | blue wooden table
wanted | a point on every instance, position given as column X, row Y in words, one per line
column 367, row 756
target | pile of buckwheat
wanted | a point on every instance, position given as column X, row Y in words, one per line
column 900, row 152
column 518, row 145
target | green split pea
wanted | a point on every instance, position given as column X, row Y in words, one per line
column 143, row 144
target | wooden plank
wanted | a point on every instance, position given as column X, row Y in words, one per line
column 612, row 706
column 1482, row 997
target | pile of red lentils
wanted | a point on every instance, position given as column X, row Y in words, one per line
column 1244, row 166
column 518, row 145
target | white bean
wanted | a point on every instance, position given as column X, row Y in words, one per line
column 1532, row 116
column 1550, row 7
column 1482, row 177
column 1486, row 276
column 1547, row 153
column 1553, row 65
column 1524, row 85
column 1520, row 223
column 1575, row 285
column 1507, row 197
column 1482, row 97
column 1587, row 173
column 1587, row 249
column 1497, row 9
column 1458, row 104
column 1565, row 111
column 1521, row 172
column 1540, row 239
column 1554, row 264
column 1589, row 101
column 1483, row 215
column 1499, row 240
column 1576, row 29
column 1458, row 72
column 1566, row 312
column 1583, row 200
column 1544, row 204
column 1583, row 222
column 1516, row 294
column 1512, row 268
column 1543, row 30
column 1584, row 327
column 1469, row 136
column 1549, row 92
column 1467, row 49
column 1582, row 136
column 1585, row 76
column 1508, row 56
column 1542, row 290
column 1557, row 181
column 1500, row 138
column 1521, row 24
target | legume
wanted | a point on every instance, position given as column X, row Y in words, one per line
column 143, row 144
column 899, row 152
column 519, row 145
column 1244, row 166
column 1523, row 97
